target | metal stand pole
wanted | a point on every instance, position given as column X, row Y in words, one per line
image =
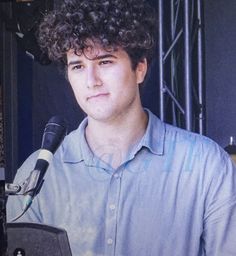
column 3, row 232
column 160, row 57
column 184, row 79
column 200, row 67
column 187, row 68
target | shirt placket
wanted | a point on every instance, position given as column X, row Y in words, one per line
column 111, row 214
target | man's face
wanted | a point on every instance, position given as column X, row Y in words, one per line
column 104, row 84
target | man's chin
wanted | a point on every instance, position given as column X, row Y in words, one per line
column 100, row 116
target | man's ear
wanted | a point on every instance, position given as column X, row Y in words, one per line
column 141, row 70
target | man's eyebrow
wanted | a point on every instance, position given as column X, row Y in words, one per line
column 104, row 56
column 74, row 62
column 99, row 57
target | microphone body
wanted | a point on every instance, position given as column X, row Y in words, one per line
column 54, row 133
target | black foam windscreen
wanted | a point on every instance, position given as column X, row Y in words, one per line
column 32, row 239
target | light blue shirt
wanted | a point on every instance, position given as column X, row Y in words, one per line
column 174, row 195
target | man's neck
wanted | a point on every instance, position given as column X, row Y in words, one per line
column 116, row 138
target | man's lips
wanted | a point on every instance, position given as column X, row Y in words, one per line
column 96, row 96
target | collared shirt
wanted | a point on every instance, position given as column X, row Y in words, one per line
column 173, row 195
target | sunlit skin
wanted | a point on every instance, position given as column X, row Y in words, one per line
column 107, row 89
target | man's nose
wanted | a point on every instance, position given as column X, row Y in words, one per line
column 93, row 77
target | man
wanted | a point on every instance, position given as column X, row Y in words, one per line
column 124, row 183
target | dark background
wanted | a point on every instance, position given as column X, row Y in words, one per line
column 220, row 52
column 41, row 91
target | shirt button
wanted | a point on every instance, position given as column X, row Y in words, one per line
column 112, row 207
column 109, row 241
column 116, row 176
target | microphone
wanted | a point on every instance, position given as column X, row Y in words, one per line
column 54, row 133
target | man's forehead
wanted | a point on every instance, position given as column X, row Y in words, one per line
column 92, row 52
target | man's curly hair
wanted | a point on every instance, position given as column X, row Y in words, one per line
column 129, row 24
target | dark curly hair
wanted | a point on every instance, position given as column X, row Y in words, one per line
column 129, row 24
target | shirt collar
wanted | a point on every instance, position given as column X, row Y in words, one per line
column 76, row 148
column 75, row 145
column 154, row 136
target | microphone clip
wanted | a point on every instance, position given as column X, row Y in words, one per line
column 28, row 186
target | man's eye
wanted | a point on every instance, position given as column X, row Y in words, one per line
column 105, row 62
column 76, row 67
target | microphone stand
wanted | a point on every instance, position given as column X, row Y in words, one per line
column 5, row 190
column 54, row 133
column 29, row 186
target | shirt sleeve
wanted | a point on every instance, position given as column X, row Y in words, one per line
column 15, row 202
column 219, row 226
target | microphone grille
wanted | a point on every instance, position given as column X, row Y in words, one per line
column 59, row 120
column 54, row 133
